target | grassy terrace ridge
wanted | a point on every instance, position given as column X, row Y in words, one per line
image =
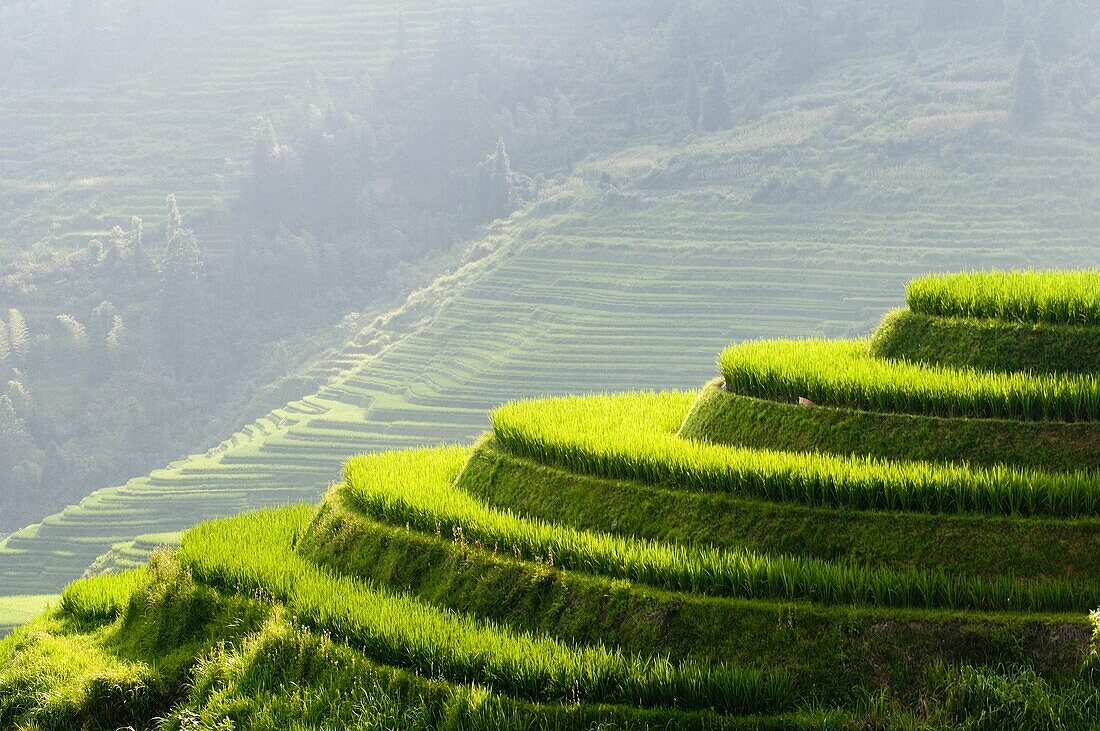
column 671, row 266
column 831, row 651
column 401, row 631
column 722, row 417
column 843, row 373
column 416, row 489
column 1063, row 297
column 985, row 344
column 265, row 671
column 587, row 563
column 633, row 437
column 977, row 545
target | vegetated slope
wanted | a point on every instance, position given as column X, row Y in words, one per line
column 586, row 566
column 632, row 273
column 173, row 104
column 664, row 254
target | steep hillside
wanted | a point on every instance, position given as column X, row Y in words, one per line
column 585, row 565
column 631, row 273
column 804, row 220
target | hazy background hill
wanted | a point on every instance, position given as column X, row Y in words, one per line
column 684, row 174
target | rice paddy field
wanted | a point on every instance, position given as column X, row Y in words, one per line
column 16, row 610
column 570, row 299
column 576, row 294
column 835, row 533
column 589, row 289
column 586, row 565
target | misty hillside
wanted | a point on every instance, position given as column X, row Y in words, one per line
column 492, row 364
column 806, row 217
column 325, row 159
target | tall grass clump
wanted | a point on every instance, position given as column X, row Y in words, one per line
column 1056, row 296
column 254, row 554
column 102, row 598
column 632, row 437
column 416, row 489
column 842, row 373
column 995, row 698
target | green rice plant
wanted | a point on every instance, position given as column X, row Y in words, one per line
column 632, row 437
column 842, row 373
column 416, row 489
column 1055, row 296
column 102, row 598
column 52, row 678
column 288, row 678
column 1010, row 697
column 253, row 553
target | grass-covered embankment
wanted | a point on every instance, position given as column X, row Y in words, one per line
column 836, row 651
column 416, row 489
column 181, row 655
column 980, row 545
column 401, row 631
column 633, row 437
column 986, row 344
column 843, row 373
column 721, row 417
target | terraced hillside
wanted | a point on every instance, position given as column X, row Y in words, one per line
column 589, row 289
column 84, row 154
column 646, row 560
column 551, row 309
column 633, row 272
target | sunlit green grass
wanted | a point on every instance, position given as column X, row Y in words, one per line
column 843, row 373
column 632, row 436
column 1060, row 296
column 253, row 554
column 416, row 488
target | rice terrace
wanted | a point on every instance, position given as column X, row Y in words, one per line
column 388, row 365
column 629, row 560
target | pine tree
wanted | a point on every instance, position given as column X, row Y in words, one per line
column 15, row 440
column 5, row 343
column 77, row 333
column 1028, row 102
column 266, row 173
column 20, row 396
column 715, row 113
column 182, row 261
column 116, row 337
column 499, row 193
column 18, row 335
column 692, row 102
column 175, row 221
column 137, row 231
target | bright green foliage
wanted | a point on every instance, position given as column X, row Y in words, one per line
column 976, row 545
column 1064, row 296
column 54, row 679
column 465, row 575
column 404, row 632
column 843, row 373
column 285, row 678
column 631, row 436
column 1012, row 698
column 722, row 417
column 415, row 488
column 987, row 344
column 102, row 598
